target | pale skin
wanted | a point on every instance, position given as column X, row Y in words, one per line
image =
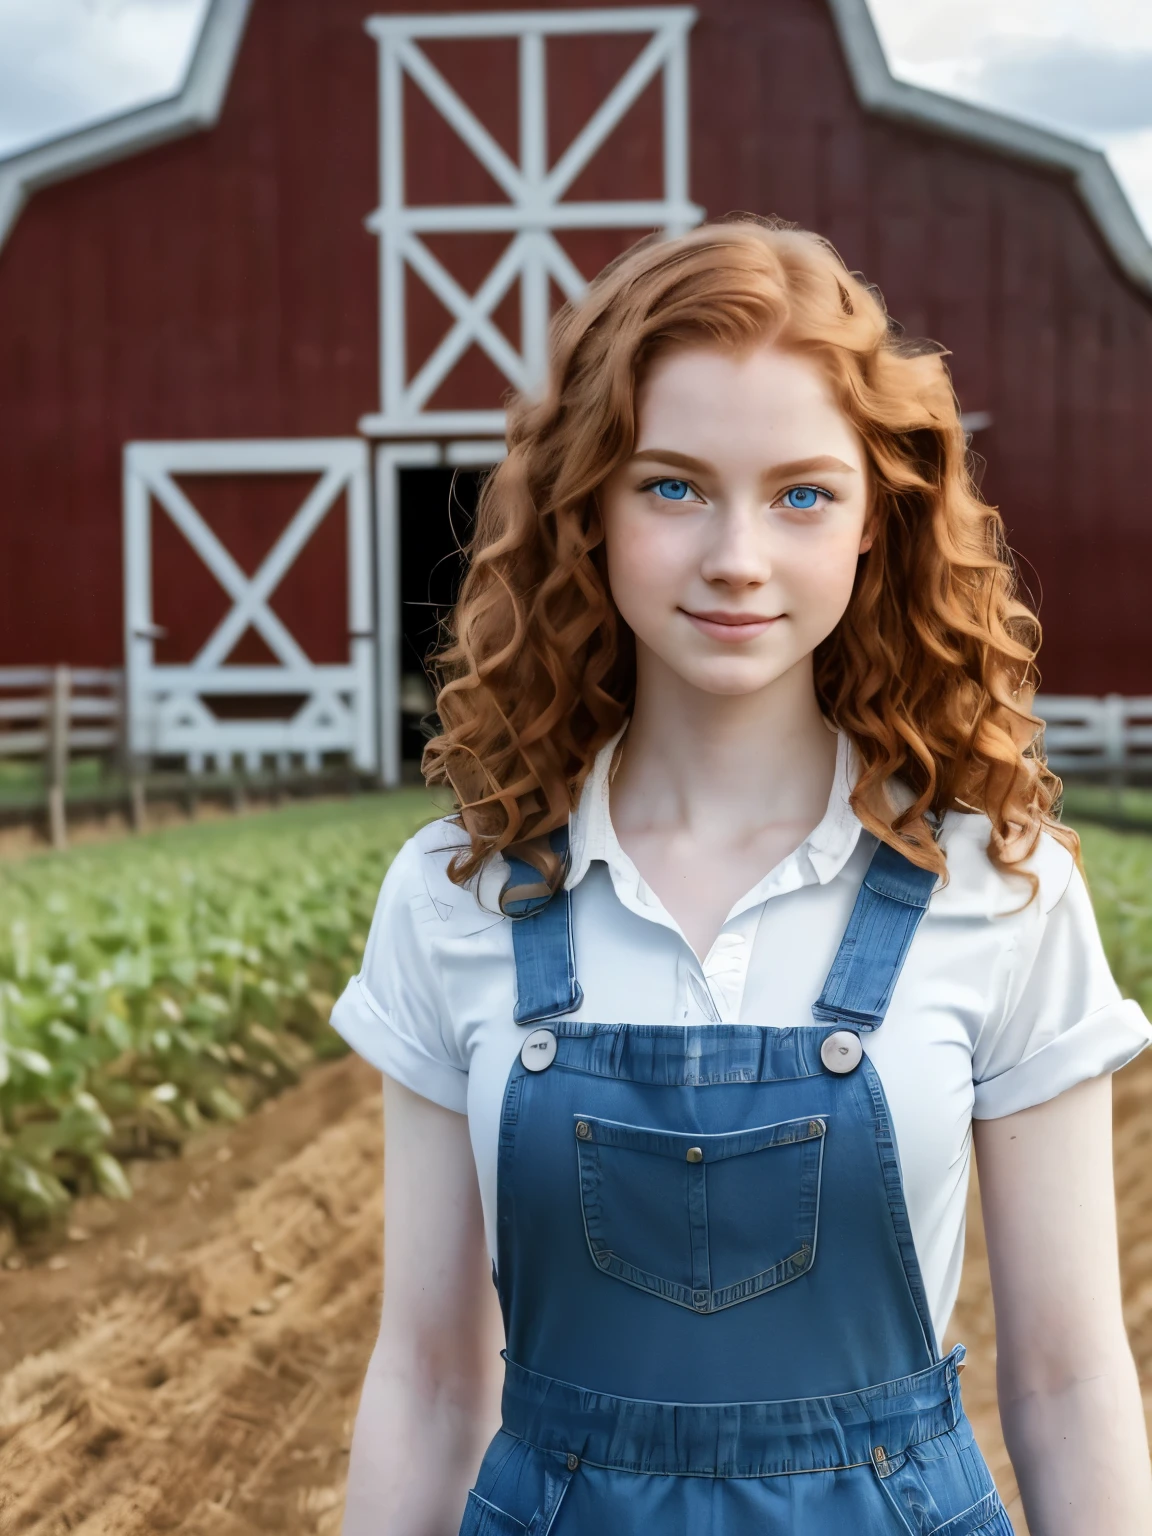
column 733, row 535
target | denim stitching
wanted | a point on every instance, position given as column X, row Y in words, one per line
column 735, row 1477
column 496, row 1510
column 992, row 1500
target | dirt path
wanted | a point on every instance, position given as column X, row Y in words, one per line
column 192, row 1361
column 196, row 1366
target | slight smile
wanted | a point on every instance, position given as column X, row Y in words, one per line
column 732, row 628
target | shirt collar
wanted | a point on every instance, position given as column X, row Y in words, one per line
column 818, row 859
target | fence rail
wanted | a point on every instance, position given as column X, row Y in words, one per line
column 91, row 697
column 1093, row 737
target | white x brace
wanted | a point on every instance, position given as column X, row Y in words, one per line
column 535, row 193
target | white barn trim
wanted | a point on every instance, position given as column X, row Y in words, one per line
column 195, row 106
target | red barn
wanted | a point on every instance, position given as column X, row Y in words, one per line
column 246, row 332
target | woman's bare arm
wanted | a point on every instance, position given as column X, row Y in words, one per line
column 1069, row 1398
column 431, row 1396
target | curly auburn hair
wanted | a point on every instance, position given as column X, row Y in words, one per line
column 931, row 671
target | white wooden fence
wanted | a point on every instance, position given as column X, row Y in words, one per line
column 1099, row 738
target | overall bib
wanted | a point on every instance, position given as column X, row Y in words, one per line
column 715, row 1319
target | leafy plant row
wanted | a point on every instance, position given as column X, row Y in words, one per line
column 149, row 986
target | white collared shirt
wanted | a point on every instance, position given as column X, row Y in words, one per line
column 999, row 1006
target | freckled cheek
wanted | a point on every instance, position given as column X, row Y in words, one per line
column 647, row 567
column 820, row 579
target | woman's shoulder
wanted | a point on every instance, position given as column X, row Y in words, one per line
column 977, row 885
column 419, row 877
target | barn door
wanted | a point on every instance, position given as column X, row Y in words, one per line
column 248, row 603
column 519, row 151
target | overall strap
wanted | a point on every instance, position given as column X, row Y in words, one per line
column 546, row 985
column 892, row 900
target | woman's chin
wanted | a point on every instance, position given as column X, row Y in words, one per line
column 729, row 680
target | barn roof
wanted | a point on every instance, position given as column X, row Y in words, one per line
column 198, row 103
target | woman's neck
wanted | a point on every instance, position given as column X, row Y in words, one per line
column 723, row 764
column 711, row 792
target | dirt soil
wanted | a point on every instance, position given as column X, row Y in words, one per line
column 191, row 1361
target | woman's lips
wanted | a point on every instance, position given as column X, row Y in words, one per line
column 732, row 628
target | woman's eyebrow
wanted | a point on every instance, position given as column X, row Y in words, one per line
column 822, row 465
column 670, row 456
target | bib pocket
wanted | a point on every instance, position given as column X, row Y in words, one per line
column 701, row 1221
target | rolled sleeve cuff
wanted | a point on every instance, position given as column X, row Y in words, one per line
column 359, row 1019
column 1101, row 1042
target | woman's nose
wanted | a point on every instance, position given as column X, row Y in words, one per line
column 738, row 552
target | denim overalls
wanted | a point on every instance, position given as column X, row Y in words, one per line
column 715, row 1320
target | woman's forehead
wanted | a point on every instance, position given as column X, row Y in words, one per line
column 766, row 402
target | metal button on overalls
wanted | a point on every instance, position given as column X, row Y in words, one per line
column 539, row 1050
column 841, row 1052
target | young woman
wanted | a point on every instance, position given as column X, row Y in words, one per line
column 752, row 908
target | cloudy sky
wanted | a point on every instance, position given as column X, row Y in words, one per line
column 1081, row 66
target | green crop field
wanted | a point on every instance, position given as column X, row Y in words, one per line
column 151, row 984
column 1119, row 868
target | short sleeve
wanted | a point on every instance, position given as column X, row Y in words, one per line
column 392, row 1013
column 1064, row 1020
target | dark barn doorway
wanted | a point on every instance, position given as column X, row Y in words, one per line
column 437, row 512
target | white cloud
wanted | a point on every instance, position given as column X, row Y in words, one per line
column 1096, row 90
column 1082, row 67
column 917, row 31
column 66, row 62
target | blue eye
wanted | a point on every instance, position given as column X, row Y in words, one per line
column 802, row 498
column 671, row 490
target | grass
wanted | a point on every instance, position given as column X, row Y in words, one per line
column 1128, row 807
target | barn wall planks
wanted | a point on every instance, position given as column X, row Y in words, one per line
column 225, row 285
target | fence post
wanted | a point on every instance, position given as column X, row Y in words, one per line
column 59, row 701
column 137, row 803
column 1113, row 720
column 130, row 764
